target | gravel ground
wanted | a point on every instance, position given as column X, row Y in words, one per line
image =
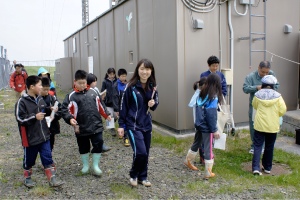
column 166, row 172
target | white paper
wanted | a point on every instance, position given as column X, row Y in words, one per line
column 110, row 124
column 221, row 142
column 101, row 93
column 54, row 108
column 48, row 120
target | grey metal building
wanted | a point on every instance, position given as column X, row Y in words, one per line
column 178, row 37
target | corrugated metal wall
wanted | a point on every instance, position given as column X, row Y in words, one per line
column 162, row 32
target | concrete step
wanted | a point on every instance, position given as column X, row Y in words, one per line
column 291, row 121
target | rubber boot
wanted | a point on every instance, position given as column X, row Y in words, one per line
column 208, row 169
column 50, row 173
column 27, row 178
column 85, row 163
column 105, row 148
column 96, row 158
column 189, row 160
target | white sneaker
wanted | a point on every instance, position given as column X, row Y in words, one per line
column 256, row 172
column 251, row 151
column 266, row 171
column 145, row 183
column 133, row 181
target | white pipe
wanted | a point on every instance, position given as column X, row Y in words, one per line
column 242, row 14
column 231, row 51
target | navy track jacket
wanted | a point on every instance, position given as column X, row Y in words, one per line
column 134, row 106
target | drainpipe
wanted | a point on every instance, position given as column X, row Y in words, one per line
column 231, row 52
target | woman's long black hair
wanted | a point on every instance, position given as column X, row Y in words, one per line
column 151, row 82
column 212, row 88
column 109, row 70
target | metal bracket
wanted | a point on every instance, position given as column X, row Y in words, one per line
column 244, row 38
column 261, row 38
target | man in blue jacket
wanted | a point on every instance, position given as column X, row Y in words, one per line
column 213, row 66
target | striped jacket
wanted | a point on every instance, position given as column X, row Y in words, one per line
column 86, row 108
column 32, row 131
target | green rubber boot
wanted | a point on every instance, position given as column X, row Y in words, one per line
column 85, row 162
column 96, row 159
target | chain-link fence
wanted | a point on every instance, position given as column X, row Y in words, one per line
column 5, row 70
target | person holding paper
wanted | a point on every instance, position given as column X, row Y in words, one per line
column 269, row 106
column 34, row 132
column 197, row 144
column 111, row 98
column 206, row 118
column 134, row 118
column 50, row 101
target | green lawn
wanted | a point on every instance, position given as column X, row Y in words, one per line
column 229, row 164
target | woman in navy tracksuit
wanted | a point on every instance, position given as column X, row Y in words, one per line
column 135, row 118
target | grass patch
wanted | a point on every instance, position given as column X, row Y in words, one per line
column 274, row 195
column 197, row 186
column 40, row 191
column 172, row 143
column 228, row 166
column 3, row 178
column 287, row 133
column 122, row 191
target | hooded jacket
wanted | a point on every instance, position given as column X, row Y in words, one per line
column 42, row 70
column 32, row 131
column 206, row 115
column 269, row 106
column 85, row 107
column 17, row 81
column 134, row 107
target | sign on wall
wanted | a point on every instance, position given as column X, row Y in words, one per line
column 91, row 64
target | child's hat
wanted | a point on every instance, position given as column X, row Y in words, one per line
column 269, row 79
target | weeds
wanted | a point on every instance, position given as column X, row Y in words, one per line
column 40, row 191
column 119, row 191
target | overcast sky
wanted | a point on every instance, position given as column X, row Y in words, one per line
column 33, row 30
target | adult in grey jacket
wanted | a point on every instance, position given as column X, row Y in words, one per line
column 253, row 84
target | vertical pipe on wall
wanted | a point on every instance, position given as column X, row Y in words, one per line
column 231, row 52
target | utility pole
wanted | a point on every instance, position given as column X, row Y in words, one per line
column 85, row 12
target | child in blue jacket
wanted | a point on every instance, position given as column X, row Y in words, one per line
column 140, row 95
column 206, row 118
